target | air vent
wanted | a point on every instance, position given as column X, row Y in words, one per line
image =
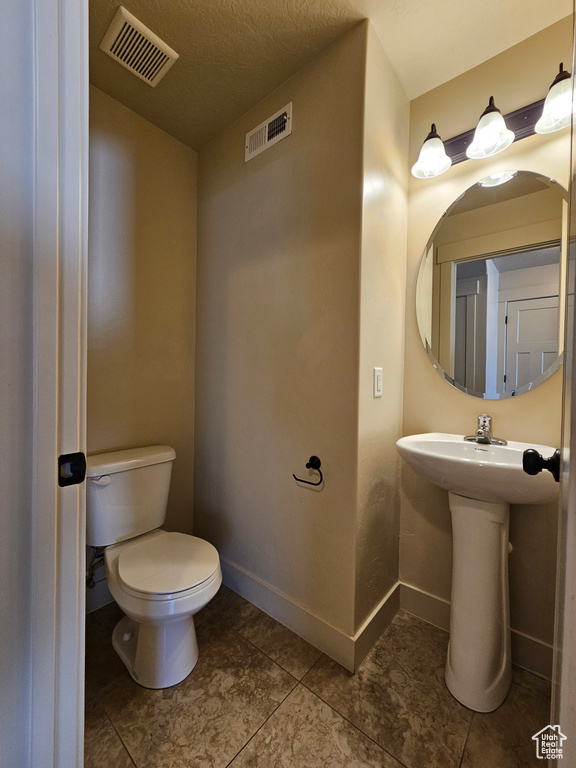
column 269, row 132
column 138, row 49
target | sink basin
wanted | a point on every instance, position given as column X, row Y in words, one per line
column 476, row 470
column 482, row 481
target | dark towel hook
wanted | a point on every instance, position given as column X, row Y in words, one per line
column 312, row 463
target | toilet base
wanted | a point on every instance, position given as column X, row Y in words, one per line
column 157, row 655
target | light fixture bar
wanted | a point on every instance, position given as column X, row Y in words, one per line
column 521, row 121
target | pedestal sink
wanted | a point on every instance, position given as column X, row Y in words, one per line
column 482, row 481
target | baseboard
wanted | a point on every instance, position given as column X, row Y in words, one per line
column 527, row 652
column 425, row 606
column 376, row 624
column 532, row 654
column 345, row 649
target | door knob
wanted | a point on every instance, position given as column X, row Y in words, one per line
column 533, row 463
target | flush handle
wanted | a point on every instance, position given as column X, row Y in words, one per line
column 101, row 480
column 533, row 463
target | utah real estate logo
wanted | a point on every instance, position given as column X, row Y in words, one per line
column 549, row 743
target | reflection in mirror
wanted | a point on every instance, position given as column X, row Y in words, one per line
column 489, row 294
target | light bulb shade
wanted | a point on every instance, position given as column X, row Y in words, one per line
column 491, row 135
column 432, row 160
column 558, row 107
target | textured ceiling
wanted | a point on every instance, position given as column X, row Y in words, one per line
column 431, row 41
column 235, row 52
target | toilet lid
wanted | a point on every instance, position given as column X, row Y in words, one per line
column 171, row 562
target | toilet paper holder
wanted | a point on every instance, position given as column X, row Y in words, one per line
column 312, row 463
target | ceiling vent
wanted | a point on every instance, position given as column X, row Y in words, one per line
column 269, row 132
column 138, row 49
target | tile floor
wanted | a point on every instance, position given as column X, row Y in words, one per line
column 261, row 697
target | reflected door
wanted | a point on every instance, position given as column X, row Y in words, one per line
column 470, row 334
column 531, row 339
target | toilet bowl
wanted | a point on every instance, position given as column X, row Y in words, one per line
column 159, row 579
column 160, row 590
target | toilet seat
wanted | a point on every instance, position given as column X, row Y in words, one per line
column 165, row 566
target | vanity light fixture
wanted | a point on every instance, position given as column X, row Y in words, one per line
column 432, row 160
column 495, row 133
column 558, row 106
column 491, row 135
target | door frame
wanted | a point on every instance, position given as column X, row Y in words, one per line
column 564, row 672
column 60, row 49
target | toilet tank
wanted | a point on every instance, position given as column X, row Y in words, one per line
column 126, row 493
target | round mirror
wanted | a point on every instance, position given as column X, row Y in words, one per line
column 489, row 298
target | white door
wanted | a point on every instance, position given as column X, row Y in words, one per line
column 59, row 226
column 531, row 339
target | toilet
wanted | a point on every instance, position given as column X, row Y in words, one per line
column 158, row 579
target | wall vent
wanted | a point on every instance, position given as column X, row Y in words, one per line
column 137, row 48
column 269, row 132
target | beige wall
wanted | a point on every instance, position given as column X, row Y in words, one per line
column 300, row 294
column 142, row 253
column 277, row 339
column 382, row 315
column 518, row 77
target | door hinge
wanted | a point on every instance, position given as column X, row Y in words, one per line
column 71, row 469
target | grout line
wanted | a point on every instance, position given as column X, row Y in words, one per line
column 105, row 689
column 275, row 661
column 119, row 737
column 296, row 683
column 354, row 725
column 257, row 731
column 466, row 740
column 318, row 660
column 301, row 682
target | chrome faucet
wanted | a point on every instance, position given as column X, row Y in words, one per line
column 484, row 432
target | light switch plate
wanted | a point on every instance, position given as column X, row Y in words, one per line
column 377, row 382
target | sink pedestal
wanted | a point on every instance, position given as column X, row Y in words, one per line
column 478, row 664
column 478, row 671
